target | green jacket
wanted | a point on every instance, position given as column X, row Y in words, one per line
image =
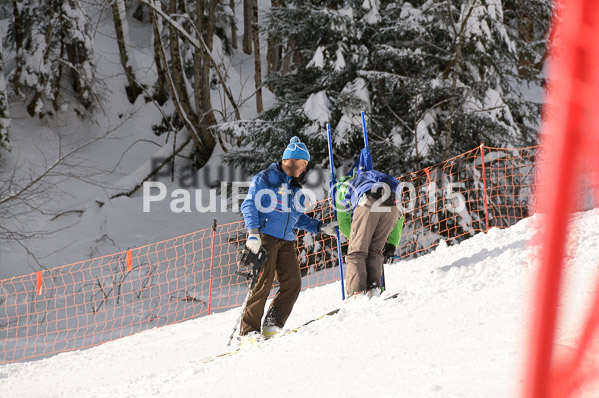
column 344, row 218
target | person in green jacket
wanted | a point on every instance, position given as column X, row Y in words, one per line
column 369, row 218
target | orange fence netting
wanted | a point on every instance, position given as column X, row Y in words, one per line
column 90, row 302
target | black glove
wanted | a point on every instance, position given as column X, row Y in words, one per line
column 388, row 252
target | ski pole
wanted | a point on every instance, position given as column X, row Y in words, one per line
column 365, row 133
column 211, row 267
column 333, row 189
column 245, row 302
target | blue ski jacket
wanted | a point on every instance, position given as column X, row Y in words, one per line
column 274, row 205
column 364, row 182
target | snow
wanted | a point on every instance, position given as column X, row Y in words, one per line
column 346, row 11
column 357, row 89
column 425, row 140
column 339, row 64
column 317, row 107
column 458, row 328
column 373, row 16
column 407, row 10
column 495, row 108
column 476, row 25
column 317, row 60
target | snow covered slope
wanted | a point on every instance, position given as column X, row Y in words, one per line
column 458, row 328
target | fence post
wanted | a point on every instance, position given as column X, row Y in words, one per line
column 211, row 267
column 482, row 156
column 129, row 260
column 39, row 283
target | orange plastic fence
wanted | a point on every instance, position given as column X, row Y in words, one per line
column 90, row 302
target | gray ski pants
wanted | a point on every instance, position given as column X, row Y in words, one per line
column 370, row 229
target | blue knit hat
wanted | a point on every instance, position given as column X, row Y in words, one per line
column 296, row 150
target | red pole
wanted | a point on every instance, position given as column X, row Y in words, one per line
column 211, row 267
column 564, row 135
column 482, row 157
column 559, row 191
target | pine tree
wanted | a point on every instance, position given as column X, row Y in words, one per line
column 435, row 77
column 78, row 41
column 455, row 71
column 316, row 30
column 35, row 67
column 50, row 38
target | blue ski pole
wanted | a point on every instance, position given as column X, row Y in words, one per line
column 339, row 253
column 365, row 133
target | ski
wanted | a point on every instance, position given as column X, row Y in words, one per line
column 282, row 334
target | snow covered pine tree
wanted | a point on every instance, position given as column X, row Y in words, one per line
column 436, row 77
column 52, row 39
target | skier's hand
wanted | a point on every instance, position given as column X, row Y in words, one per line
column 253, row 242
column 329, row 228
column 388, row 252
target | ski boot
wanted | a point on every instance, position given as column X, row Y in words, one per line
column 269, row 327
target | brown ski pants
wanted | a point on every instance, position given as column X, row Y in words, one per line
column 370, row 229
column 283, row 263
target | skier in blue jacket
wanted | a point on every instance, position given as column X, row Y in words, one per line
column 273, row 212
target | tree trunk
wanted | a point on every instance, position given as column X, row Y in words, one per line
column 198, row 121
column 161, row 93
column 207, row 115
column 257, row 61
column 57, row 85
column 452, row 103
column 199, row 60
column 209, row 40
column 233, row 26
column 247, row 26
column 121, row 26
column 4, row 119
column 289, row 50
column 18, row 46
column 274, row 52
column 455, row 67
column 178, row 78
column 173, row 90
column 526, row 33
column 202, row 78
column 119, row 15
